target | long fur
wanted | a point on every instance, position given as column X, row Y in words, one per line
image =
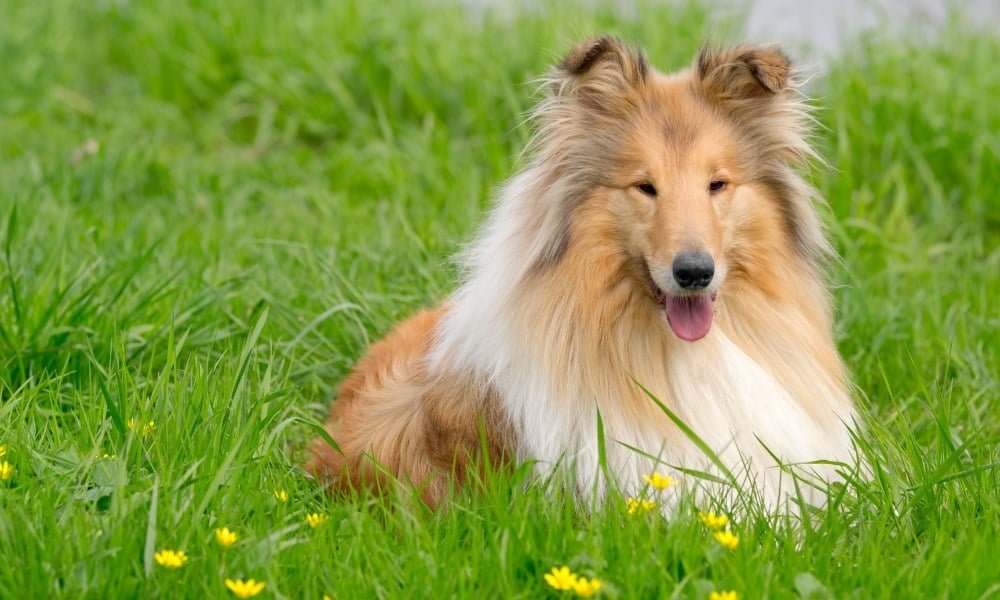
column 554, row 321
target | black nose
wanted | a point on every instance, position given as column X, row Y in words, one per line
column 693, row 270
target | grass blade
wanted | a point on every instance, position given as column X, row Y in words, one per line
column 691, row 435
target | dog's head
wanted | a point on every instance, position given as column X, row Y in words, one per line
column 690, row 175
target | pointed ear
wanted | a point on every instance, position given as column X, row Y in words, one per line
column 601, row 73
column 743, row 73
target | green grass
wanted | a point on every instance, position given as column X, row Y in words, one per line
column 269, row 187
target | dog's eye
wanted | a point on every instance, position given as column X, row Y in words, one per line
column 646, row 188
column 716, row 186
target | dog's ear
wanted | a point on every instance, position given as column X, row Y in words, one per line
column 600, row 73
column 741, row 75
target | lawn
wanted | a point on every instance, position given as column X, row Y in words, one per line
column 208, row 209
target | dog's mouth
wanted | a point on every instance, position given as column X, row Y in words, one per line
column 690, row 315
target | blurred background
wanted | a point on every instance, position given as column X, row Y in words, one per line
column 819, row 30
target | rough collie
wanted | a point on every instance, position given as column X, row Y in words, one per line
column 661, row 235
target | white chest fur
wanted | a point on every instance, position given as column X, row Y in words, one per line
column 740, row 411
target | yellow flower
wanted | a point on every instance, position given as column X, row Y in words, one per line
column 281, row 495
column 316, row 519
column 6, row 470
column 727, row 539
column 171, row 559
column 561, row 579
column 3, row 450
column 225, row 537
column 713, row 521
column 724, row 595
column 660, row 482
column 640, row 506
column 245, row 589
column 585, row 588
column 142, row 429
column 327, row 597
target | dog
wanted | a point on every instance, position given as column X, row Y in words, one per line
column 655, row 269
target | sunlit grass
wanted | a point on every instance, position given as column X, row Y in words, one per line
column 208, row 210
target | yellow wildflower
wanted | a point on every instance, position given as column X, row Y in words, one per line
column 640, row 506
column 327, row 597
column 585, row 588
column 6, row 470
column 142, row 429
column 660, row 482
column 3, row 450
column 281, row 495
column 561, row 578
column 225, row 537
column 713, row 521
column 245, row 589
column 171, row 559
column 724, row 595
column 728, row 539
column 316, row 519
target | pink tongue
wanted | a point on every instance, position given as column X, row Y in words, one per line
column 690, row 316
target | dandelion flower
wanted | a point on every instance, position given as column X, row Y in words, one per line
column 727, row 539
column 660, row 482
column 585, row 588
column 713, row 521
column 245, row 589
column 639, row 506
column 171, row 559
column 281, row 495
column 724, row 595
column 561, row 578
column 6, row 470
column 225, row 537
column 316, row 519
column 3, row 450
column 142, row 429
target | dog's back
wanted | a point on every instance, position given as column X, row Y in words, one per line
column 391, row 419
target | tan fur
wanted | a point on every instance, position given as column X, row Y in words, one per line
column 582, row 307
column 390, row 418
